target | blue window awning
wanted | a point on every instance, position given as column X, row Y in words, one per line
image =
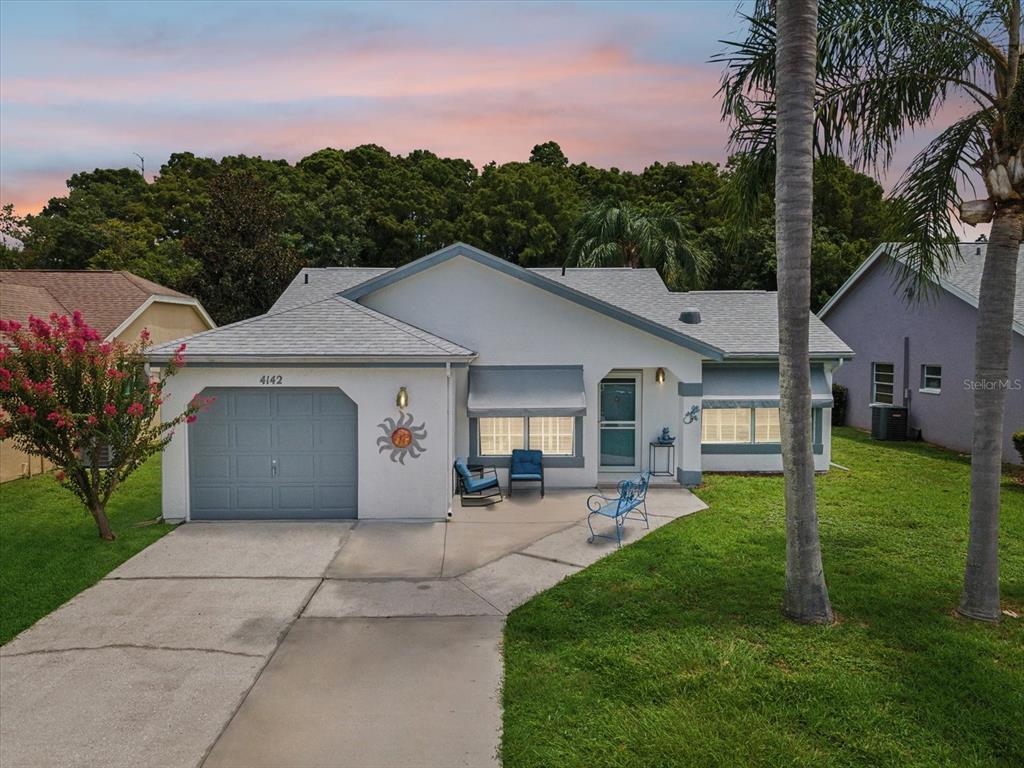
column 756, row 386
column 526, row 390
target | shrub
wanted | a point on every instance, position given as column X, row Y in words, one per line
column 840, row 395
column 1018, row 442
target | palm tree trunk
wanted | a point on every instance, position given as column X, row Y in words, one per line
column 992, row 344
column 806, row 596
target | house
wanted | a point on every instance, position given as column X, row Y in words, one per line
column 355, row 393
column 921, row 355
column 117, row 304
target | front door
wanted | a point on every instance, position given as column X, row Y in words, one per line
column 619, row 420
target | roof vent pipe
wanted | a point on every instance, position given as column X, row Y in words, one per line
column 563, row 270
column 305, row 278
column 690, row 316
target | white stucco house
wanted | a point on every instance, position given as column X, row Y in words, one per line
column 355, row 393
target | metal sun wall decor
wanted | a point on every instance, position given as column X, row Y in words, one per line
column 401, row 438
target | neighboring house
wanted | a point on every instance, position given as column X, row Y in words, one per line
column 117, row 304
column 921, row 355
column 354, row 394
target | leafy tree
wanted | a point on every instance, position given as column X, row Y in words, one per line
column 549, row 154
column 880, row 76
column 617, row 234
column 85, row 405
column 245, row 264
column 523, row 212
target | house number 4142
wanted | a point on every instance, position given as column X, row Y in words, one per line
column 272, row 379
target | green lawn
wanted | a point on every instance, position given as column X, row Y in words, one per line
column 49, row 548
column 673, row 652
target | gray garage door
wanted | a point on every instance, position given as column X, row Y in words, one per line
column 282, row 453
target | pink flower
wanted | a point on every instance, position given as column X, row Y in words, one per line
column 135, row 409
column 190, row 418
column 60, row 477
column 77, row 346
column 26, row 410
column 110, row 409
column 91, row 420
column 144, row 335
column 105, row 348
column 76, row 318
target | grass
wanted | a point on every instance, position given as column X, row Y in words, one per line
column 50, row 550
column 673, row 652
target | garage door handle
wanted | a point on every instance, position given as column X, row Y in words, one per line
column 273, row 467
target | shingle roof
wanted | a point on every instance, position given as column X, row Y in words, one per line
column 325, row 329
column 105, row 298
column 962, row 277
column 740, row 323
column 315, row 284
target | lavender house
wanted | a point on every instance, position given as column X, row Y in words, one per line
column 922, row 355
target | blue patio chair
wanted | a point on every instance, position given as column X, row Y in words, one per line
column 526, row 467
column 632, row 498
column 478, row 485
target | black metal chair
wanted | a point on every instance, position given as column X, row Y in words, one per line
column 478, row 485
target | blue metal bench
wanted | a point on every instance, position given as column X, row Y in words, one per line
column 632, row 498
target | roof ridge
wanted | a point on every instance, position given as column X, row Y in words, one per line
column 401, row 325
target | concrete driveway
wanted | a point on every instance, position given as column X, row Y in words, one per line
column 295, row 644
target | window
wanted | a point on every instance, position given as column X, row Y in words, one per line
column 725, row 425
column 740, row 425
column 931, row 379
column 883, row 377
column 498, row 436
column 552, row 434
column 555, row 435
column 766, row 425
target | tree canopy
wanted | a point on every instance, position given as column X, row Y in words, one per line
column 368, row 207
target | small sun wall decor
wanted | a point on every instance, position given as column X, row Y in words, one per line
column 401, row 437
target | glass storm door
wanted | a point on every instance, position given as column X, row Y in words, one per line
column 618, row 423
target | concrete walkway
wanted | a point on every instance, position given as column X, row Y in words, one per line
column 296, row 645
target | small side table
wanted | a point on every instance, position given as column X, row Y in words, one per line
column 652, row 455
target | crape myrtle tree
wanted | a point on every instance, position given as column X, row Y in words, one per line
column 885, row 69
column 86, row 405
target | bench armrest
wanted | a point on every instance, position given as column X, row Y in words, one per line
column 597, row 500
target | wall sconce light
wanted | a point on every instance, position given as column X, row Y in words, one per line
column 402, row 401
column 659, row 375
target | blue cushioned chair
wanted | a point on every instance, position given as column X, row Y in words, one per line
column 632, row 498
column 478, row 485
column 526, row 467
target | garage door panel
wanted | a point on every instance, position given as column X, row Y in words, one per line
column 212, row 498
column 332, row 466
column 254, row 404
column 213, row 435
column 213, row 467
column 297, row 466
column 253, row 436
column 251, row 498
column 292, row 404
column 335, row 436
column 307, row 435
column 335, row 404
column 295, row 435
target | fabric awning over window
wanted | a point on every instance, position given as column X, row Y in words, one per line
column 543, row 390
column 750, row 386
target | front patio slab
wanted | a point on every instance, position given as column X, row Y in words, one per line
column 514, row 579
column 401, row 550
column 471, row 545
column 384, row 598
column 118, row 707
column 373, row 693
column 252, row 550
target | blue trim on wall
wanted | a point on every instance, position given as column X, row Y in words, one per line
column 691, row 389
column 749, row 449
column 551, row 462
column 538, row 281
column 688, row 477
column 271, row 363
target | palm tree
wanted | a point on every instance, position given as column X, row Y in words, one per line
column 885, row 70
column 612, row 234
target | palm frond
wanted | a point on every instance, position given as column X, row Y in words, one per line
column 928, row 196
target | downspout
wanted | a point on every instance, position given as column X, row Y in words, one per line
column 906, row 377
column 448, row 432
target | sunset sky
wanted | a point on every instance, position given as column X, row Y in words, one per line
column 84, row 85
